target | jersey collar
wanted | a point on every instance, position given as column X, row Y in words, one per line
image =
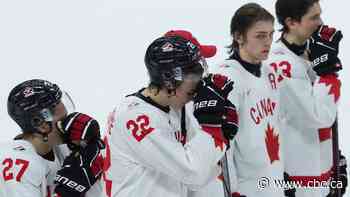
column 150, row 101
column 50, row 156
column 296, row 49
column 254, row 69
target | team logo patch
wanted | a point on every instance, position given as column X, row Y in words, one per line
column 28, row 91
column 167, row 47
column 272, row 143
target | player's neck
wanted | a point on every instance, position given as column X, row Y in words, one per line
column 294, row 39
column 245, row 56
column 157, row 96
column 40, row 146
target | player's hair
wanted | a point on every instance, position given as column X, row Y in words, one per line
column 294, row 9
column 243, row 19
column 154, row 87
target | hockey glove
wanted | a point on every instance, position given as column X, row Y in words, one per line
column 343, row 178
column 80, row 170
column 212, row 109
column 324, row 48
column 220, row 83
column 79, row 128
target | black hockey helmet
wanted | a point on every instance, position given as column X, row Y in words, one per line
column 170, row 58
column 32, row 102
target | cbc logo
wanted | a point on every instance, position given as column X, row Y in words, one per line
column 263, row 183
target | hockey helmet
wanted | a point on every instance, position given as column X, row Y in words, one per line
column 32, row 102
column 172, row 59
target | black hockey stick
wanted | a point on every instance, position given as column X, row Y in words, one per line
column 226, row 175
column 335, row 143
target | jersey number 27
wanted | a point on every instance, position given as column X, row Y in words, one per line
column 8, row 172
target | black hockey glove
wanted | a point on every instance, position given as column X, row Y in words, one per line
column 211, row 107
column 343, row 177
column 80, row 170
column 79, row 128
column 324, row 48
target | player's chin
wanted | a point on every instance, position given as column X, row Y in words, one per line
column 55, row 138
column 263, row 56
column 188, row 100
column 309, row 34
column 185, row 101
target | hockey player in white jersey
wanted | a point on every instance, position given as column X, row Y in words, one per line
column 215, row 187
column 35, row 105
column 257, row 149
column 155, row 149
column 30, row 163
column 308, row 93
column 255, row 152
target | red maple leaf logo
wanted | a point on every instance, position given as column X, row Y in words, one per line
column 218, row 138
column 272, row 144
column 332, row 81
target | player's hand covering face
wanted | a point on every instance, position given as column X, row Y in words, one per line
column 187, row 80
column 211, row 106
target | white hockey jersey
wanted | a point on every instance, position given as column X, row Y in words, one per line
column 23, row 171
column 148, row 153
column 309, row 105
column 255, row 152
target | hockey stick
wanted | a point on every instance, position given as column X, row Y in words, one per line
column 335, row 144
column 226, row 175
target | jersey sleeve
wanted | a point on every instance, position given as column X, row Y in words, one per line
column 231, row 172
column 304, row 101
column 214, row 188
column 310, row 105
column 148, row 134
